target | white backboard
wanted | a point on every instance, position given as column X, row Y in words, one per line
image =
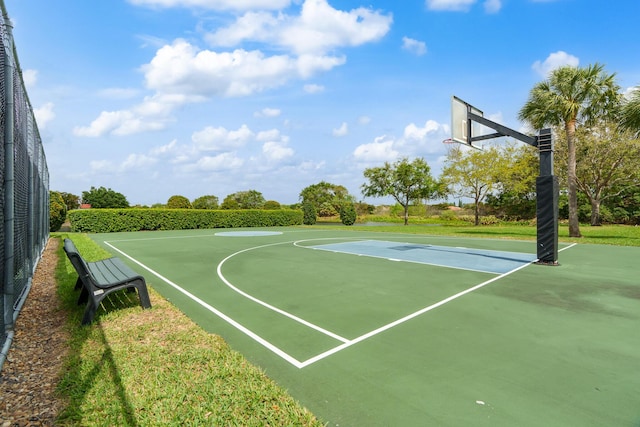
column 459, row 110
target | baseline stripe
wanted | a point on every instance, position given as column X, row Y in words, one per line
column 215, row 311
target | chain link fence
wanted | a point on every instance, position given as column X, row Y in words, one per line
column 24, row 188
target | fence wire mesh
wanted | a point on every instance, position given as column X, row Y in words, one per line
column 24, row 187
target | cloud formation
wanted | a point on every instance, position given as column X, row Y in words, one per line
column 182, row 73
column 215, row 4
column 553, row 61
column 414, row 46
column 415, row 141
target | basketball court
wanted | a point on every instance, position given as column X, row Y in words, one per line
column 370, row 328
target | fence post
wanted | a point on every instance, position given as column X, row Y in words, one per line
column 9, row 179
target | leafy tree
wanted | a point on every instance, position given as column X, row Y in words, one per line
column 205, row 202
column 473, row 174
column 250, row 199
column 516, row 176
column 404, row 181
column 70, row 200
column 625, row 205
column 348, row 214
column 326, row 198
column 308, row 213
column 271, row 205
column 569, row 97
column 57, row 211
column 230, row 203
column 364, row 208
column 178, row 202
column 102, row 198
column 608, row 163
column 630, row 117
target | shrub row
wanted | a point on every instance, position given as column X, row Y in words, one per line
column 115, row 220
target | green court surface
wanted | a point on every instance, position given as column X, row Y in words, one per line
column 392, row 329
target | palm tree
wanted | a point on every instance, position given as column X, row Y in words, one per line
column 630, row 116
column 572, row 96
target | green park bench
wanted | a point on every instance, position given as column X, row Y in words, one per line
column 101, row 278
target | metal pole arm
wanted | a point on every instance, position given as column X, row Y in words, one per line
column 502, row 130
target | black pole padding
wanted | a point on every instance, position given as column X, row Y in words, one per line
column 548, row 191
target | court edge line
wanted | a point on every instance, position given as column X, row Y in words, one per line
column 407, row 318
column 316, row 248
column 334, row 350
column 215, row 311
column 415, row 314
column 269, row 306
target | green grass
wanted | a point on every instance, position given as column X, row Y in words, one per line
column 620, row 235
column 135, row 367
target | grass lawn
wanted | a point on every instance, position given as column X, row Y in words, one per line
column 156, row 367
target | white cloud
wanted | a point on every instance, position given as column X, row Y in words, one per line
column 364, row 120
column 414, row 46
column 30, row 78
column 267, row 112
column 165, row 149
column 553, row 61
column 313, row 88
column 380, row 150
column 255, row 26
column 221, row 162
column 215, row 4
column 44, row 115
column 628, row 92
column 415, row 141
column 101, row 166
column 318, row 29
column 137, row 161
column 184, row 69
column 413, row 132
column 343, row 130
column 220, row 139
column 276, row 151
column 270, row 135
column 492, row 6
column 452, row 5
column 182, row 73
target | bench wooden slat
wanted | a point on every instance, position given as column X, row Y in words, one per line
column 101, row 278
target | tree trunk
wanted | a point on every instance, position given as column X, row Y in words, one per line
column 595, row 213
column 406, row 214
column 574, row 225
column 477, row 212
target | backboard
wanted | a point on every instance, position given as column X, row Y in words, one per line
column 460, row 130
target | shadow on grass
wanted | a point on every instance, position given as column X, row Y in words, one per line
column 92, row 378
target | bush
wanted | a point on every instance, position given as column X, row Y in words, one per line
column 117, row 220
column 57, row 211
column 271, row 205
column 348, row 214
column 205, row 202
column 178, row 202
column 308, row 213
column 448, row 215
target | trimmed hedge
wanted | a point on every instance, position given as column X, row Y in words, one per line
column 116, row 220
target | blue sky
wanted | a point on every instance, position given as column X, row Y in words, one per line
column 154, row 98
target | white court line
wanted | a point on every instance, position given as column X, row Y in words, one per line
column 269, row 306
column 217, row 312
column 346, row 343
column 319, row 248
column 413, row 315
